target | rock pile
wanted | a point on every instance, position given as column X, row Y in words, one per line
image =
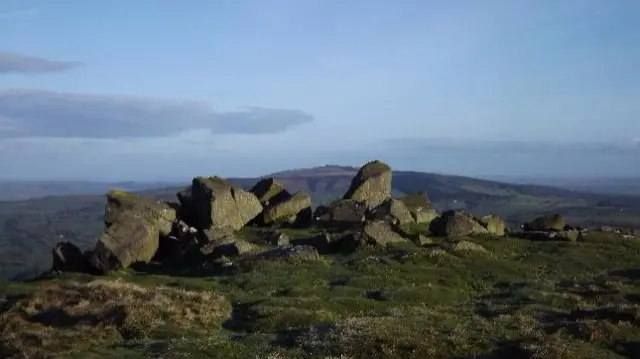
column 202, row 226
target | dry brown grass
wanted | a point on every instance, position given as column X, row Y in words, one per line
column 73, row 316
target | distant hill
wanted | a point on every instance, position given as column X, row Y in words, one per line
column 12, row 190
column 30, row 228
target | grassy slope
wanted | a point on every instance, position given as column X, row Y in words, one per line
column 522, row 299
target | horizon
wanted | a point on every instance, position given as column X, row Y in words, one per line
column 116, row 92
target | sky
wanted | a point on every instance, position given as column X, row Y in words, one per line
column 166, row 89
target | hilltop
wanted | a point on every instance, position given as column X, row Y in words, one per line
column 228, row 272
column 28, row 229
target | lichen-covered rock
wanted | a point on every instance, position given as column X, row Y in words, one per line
column 269, row 191
column 274, row 237
column 393, row 211
column 380, row 233
column 294, row 210
column 422, row 240
column 69, row 258
column 371, row 185
column 217, row 203
column 465, row 246
column 341, row 211
column 233, row 248
column 131, row 239
column 456, row 224
column 420, row 207
column 547, row 223
column 159, row 213
column 494, row 225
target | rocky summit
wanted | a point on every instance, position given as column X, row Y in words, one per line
column 225, row 271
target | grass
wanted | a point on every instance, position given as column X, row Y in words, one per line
column 520, row 299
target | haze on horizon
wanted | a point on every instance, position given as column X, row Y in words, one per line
column 164, row 90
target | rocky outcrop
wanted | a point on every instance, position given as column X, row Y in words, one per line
column 159, row 214
column 342, row 211
column 294, row 210
column 217, row 203
column 379, row 234
column 273, row 237
column 133, row 228
column 69, row 258
column 393, row 211
column 548, row 223
column 493, row 224
column 456, row 224
column 371, row 185
column 131, row 239
column 420, row 207
column 269, row 191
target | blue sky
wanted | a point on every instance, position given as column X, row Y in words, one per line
column 160, row 89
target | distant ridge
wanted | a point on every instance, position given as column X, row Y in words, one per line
column 320, row 171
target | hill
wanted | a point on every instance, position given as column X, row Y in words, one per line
column 231, row 273
column 29, row 229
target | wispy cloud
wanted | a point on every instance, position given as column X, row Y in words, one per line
column 36, row 113
column 11, row 62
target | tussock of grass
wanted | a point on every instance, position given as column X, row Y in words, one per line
column 72, row 316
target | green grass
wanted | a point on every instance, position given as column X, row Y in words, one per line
column 522, row 299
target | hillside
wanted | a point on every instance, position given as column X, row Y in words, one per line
column 231, row 273
column 28, row 229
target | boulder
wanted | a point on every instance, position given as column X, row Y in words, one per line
column 159, row 213
column 233, row 248
column 131, row 239
column 420, row 207
column 456, row 224
column 295, row 210
column 274, row 237
column 493, row 224
column 325, row 242
column 371, row 185
column 217, row 203
column 393, row 211
column 268, row 191
column 341, row 211
column 379, row 233
column 422, row 240
column 465, row 246
column 547, row 223
column 69, row 258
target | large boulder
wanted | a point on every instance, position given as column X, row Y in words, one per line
column 393, row 211
column 493, row 224
column 217, row 203
column 456, row 224
column 130, row 239
column 341, row 211
column 159, row 214
column 371, row 185
column 547, row 223
column 420, row 207
column 69, row 258
column 295, row 210
column 379, row 233
column 269, row 191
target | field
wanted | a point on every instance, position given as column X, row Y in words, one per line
column 515, row 299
